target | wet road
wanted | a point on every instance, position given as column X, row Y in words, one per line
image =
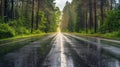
column 71, row 51
column 59, row 55
column 66, row 50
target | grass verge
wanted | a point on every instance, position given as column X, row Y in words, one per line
column 107, row 35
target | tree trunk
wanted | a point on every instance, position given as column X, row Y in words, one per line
column 86, row 15
column 37, row 16
column 90, row 14
column 102, row 11
column 95, row 15
column 32, row 18
column 22, row 12
column 111, row 4
column 2, row 5
column 6, row 11
column 0, row 8
column 17, row 9
column 12, row 9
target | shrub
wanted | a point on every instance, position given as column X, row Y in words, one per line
column 1, row 20
column 118, row 34
column 112, row 34
column 37, row 32
column 112, row 22
column 6, row 31
column 22, row 30
column 19, row 27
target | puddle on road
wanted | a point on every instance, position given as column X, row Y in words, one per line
column 92, row 55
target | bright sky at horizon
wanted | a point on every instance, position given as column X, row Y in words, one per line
column 61, row 3
column 117, row 1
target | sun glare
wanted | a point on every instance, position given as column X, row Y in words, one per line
column 58, row 29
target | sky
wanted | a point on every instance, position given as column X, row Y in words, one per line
column 61, row 3
column 117, row 1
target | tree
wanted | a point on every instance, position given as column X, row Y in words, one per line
column 32, row 16
column 2, row 5
column 95, row 15
column 111, row 6
column 24, row 16
column 12, row 9
column 86, row 15
column 6, row 10
column 37, row 16
column 102, row 11
column 90, row 14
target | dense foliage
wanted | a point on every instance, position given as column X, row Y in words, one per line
column 6, row 31
column 27, row 16
column 112, row 22
column 91, row 16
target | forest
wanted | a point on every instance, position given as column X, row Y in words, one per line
column 98, row 17
column 24, row 17
column 19, row 17
column 59, row 33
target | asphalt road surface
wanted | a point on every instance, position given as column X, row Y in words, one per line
column 66, row 50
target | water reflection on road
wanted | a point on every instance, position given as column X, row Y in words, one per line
column 59, row 55
column 66, row 51
column 93, row 54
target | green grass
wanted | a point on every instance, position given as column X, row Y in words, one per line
column 22, row 36
column 107, row 35
column 18, row 38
